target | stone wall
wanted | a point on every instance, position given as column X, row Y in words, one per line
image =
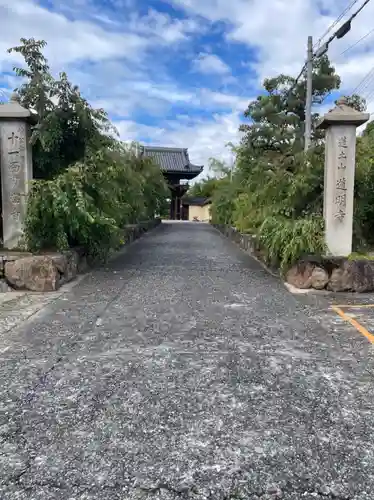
column 248, row 243
column 336, row 274
column 245, row 241
column 48, row 271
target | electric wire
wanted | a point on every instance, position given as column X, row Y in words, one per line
column 334, row 35
column 3, row 95
column 339, row 18
column 365, row 82
column 358, row 41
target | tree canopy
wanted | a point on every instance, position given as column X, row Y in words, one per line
column 88, row 185
column 276, row 191
column 67, row 127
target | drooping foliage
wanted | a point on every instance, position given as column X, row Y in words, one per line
column 88, row 185
column 90, row 202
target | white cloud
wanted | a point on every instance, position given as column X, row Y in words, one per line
column 204, row 138
column 75, row 40
column 210, row 64
column 163, row 27
column 156, row 99
column 220, row 99
column 108, row 53
column 277, row 31
column 68, row 41
column 132, row 131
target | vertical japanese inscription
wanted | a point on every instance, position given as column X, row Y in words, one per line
column 16, row 158
column 340, row 194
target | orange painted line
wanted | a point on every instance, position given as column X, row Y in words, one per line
column 354, row 306
column 354, row 323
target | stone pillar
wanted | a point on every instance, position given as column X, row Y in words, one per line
column 340, row 159
column 16, row 169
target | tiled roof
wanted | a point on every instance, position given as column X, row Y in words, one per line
column 172, row 159
column 197, row 201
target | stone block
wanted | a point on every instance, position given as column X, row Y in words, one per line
column 83, row 266
column 16, row 170
column 319, row 278
column 59, row 260
column 71, row 269
column 300, row 275
column 340, row 123
column 353, row 276
column 338, row 282
column 37, row 273
column 4, row 286
column 66, row 263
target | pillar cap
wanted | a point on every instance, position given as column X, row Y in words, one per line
column 13, row 109
column 342, row 114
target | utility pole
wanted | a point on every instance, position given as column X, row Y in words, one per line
column 308, row 105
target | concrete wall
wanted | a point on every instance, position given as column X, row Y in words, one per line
column 202, row 213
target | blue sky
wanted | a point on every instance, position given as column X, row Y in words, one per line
column 180, row 72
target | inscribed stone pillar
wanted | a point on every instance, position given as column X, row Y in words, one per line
column 340, row 159
column 16, row 169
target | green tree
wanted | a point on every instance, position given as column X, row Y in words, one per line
column 66, row 127
column 356, row 102
column 276, row 190
column 277, row 117
column 88, row 185
column 204, row 188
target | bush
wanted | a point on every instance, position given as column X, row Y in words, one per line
column 90, row 202
column 286, row 240
column 88, row 185
column 223, row 202
column 277, row 191
column 280, row 204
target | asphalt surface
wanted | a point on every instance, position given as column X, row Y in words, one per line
column 183, row 370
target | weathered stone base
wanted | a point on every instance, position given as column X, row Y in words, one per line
column 48, row 271
column 337, row 274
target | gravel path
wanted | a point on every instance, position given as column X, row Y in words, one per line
column 184, row 371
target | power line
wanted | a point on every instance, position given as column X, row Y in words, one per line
column 3, row 95
column 365, row 82
column 359, row 10
column 297, row 79
column 369, row 77
column 358, row 41
column 339, row 33
column 339, row 18
column 369, row 97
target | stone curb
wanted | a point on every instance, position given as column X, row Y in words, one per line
column 313, row 274
column 48, row 271
column 245, row 242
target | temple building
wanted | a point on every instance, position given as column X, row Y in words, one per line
column 176, row 167
column 196, row 208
